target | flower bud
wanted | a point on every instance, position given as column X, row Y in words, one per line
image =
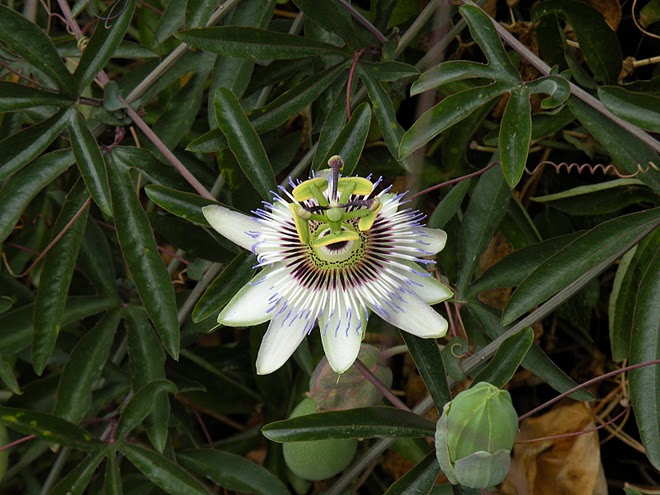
column 475, row 435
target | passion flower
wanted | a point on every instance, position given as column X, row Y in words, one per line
column 331, row 252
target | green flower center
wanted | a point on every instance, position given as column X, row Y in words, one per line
column 332, row 251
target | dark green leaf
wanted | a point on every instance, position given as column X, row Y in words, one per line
column 598, row 43
column 535, row 361
column 488, row 205
column 147, row 362
column 26, row 184
column 103, row 43
column 182, row 204
column 557, row 87
column 484, row 33
column 332, row 126
column 447, row 72
column 77, row 480
column 17, row 97
column 365, row 422
column 645, row 347
column 350, row 142
column 95, row 246
column 449, row 205
column 225, row 286
column 56, row 276
column 172, row 19
column 181, row 110
column 198, row 12
column 624, row 291
column 31, row 43
column 244, row 143
column 515, row 135
column 384, row 110
column 8, row 377
column 592, row 251
column 277, row 111
column 90, row 162
column 141, row 405
column 161, row 471
column 641, row 109
column 513, row 269
column 508, row 357
column 232, row 472
column 24, row 146
column 426, row 354
column 293, row 101
column 445, row 114
column 389, row 71
column 83, row 369
column 112, row 484
column 150, row 166
column 626, row 151
column 49, row 428
column 331, row 17
column 16, row 326
column 255, row 44
column 419, row 480
column 142, row 257
column 600, row 199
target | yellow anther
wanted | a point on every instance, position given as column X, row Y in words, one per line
column 363, row 186
column 300, row 219
column 366, row 222
column 306, row 190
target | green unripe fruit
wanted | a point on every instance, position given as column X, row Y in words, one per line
column 475, row 435
column 317, row 459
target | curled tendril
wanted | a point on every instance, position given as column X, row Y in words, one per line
column 112, row 15
column 593, row 168
column 460, row 353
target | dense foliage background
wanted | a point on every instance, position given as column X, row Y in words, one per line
column 122, row 119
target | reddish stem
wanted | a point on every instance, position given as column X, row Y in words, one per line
column 576, row 433
column 380, row 386
column 587, row 384
column 17, row 442
column 349, row 86
column 453, row 181
column 57, row 238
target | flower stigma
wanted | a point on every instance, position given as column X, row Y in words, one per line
column 331, row 252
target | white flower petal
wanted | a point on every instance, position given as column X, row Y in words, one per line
column 250, row 305
column 424, row 284
column 433, row 240
column 414, row 316
column 285, row 333
column 342, row 331
column 235, row 226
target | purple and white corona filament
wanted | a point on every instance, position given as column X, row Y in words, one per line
column 330, row 253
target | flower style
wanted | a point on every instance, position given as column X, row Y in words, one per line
column 331, row 253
